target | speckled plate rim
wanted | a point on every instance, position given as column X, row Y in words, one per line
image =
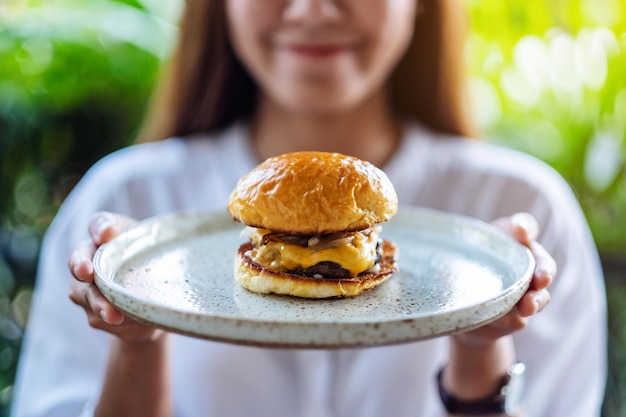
column 322, row 333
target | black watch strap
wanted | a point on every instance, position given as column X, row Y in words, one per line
column 494, row 404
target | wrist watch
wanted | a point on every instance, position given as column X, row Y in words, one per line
column 506, row 400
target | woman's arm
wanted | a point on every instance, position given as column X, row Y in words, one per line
column 475, row 371
column 137, row 374
column 137, row 380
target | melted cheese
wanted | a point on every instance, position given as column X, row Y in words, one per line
column 357, row 256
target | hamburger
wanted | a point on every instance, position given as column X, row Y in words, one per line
column 313, row 226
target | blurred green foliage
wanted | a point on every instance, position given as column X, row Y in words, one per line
column 615, row 398
column 548, row 77
column 75, row 77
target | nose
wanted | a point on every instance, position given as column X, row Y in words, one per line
column 312, row 12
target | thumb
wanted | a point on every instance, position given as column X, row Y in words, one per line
column 104, row 226
column 521, row 226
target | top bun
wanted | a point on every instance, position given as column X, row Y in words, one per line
column 313, row 193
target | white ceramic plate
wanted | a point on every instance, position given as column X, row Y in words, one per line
column 176, row 272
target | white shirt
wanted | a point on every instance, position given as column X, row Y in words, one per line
column 63, row 359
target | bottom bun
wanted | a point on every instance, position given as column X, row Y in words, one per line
column 264, row 281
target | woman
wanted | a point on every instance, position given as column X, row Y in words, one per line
column 380, row 80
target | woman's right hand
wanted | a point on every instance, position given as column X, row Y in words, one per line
column 101, row 314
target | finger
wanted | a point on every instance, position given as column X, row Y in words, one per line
column 509, row 323
column 533, row 302
column 111, row 315
column 104, row 226
column 101, row 306
column 77, row 293
column 522, row 227
column 503, row 326
column 491, row 333
column 545, row 268
column 80, row 263
column 103, row 316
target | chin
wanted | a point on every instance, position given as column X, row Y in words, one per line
column 326, row 98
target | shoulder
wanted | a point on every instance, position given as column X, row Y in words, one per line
column 490, row 158
column 486, row 163
column 137, row 160
column 487, row 181
column 170, row 159
column 166, row 157
column 146, row 179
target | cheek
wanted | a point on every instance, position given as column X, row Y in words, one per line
column 390, row 28
column 249, row 21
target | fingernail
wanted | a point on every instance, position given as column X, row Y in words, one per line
column 76, row 273
column 549, row 277
column 103, row 316
column 87, row 268
column 527, row 222
column 102, row 222
column 545, row 276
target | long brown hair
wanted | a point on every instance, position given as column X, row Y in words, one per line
column 205, row 88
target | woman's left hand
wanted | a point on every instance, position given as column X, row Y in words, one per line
column 522, row 227
column 480, row 357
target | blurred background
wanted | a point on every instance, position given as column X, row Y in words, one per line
column 547, row 77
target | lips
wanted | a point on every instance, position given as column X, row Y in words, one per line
column 317, row 51
column 315, row 46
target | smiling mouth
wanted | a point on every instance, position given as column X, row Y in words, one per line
column 317, row 51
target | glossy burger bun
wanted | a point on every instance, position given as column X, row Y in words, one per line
column 260, row 280
column 313, row 193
